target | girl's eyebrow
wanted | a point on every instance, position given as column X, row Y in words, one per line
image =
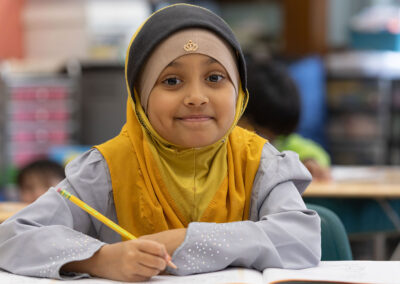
column 174, row 63
column 211, row 60
column 207, row 61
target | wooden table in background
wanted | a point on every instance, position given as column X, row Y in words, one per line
column 380, row 183
column 359, row 182
column 7, row 209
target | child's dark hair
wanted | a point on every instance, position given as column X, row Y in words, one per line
column 46, row 168
column 274, row 100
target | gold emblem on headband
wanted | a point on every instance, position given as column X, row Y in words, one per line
column 190, row 46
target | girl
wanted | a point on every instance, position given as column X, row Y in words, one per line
column 180, row 176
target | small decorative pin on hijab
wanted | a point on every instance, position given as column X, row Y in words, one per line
column 190, row 46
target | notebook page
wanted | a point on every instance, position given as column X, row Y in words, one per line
column 368, row 272
column 232, row 275
column 363, row 174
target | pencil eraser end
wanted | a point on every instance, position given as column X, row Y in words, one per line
column 59, row 190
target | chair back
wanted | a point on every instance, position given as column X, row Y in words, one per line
column 335, row 244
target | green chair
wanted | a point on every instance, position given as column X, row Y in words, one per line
column 335, row 244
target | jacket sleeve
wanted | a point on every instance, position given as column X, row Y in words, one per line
column 281, row 232
column 52, row 231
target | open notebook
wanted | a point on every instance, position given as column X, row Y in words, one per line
column 366, row 272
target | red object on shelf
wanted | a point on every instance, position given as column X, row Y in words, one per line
column 39, row 93
column 40, row 118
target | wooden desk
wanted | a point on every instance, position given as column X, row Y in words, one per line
column 359, row 182
column 7, row 209
column 378, row 183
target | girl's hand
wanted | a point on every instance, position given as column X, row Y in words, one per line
column 133, row 260
column 171, row 239
column 318, row 172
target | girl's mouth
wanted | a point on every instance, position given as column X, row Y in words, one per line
column 195, row 118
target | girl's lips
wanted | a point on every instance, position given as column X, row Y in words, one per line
column 195, row 118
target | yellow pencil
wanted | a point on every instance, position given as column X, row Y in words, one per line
column 103, row 219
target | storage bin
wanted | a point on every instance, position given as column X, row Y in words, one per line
column 379, row 40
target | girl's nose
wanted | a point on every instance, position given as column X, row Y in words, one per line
column 195, row 96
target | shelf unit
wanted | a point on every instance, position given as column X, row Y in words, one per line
column 39, row 112
column 103, row 100
column 394, row 142
column 361, row 90
column 3, row 118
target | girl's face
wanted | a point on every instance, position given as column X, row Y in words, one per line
column 193, row 102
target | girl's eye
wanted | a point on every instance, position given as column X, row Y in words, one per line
column 172, row 81
column 215, row 78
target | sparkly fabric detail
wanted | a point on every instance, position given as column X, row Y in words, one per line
column 77, row 247
column 207, row 247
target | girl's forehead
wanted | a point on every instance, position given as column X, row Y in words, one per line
column 193, row 58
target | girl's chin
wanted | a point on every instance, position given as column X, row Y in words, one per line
column 196, row 143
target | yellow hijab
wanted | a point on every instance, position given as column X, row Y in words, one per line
column 158, row 186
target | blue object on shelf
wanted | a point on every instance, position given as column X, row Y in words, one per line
column 2, row 197
column 309, row 76
column 379, row 40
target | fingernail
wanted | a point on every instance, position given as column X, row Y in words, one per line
column 171, row 264
column 168, row 259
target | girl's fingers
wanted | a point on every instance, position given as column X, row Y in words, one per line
column 152, row 247
column 138, row 278
column 145, row 271
column 152, row 261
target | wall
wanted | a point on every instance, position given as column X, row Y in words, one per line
column 11, row 42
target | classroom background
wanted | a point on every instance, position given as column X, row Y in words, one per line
column 62, row 72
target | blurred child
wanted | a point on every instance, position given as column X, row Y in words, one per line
column 37, row 177
column 273, row 112
column 180, row 176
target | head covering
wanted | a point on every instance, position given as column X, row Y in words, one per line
column 158, row 185
column 166, row 22
column 188, row 41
